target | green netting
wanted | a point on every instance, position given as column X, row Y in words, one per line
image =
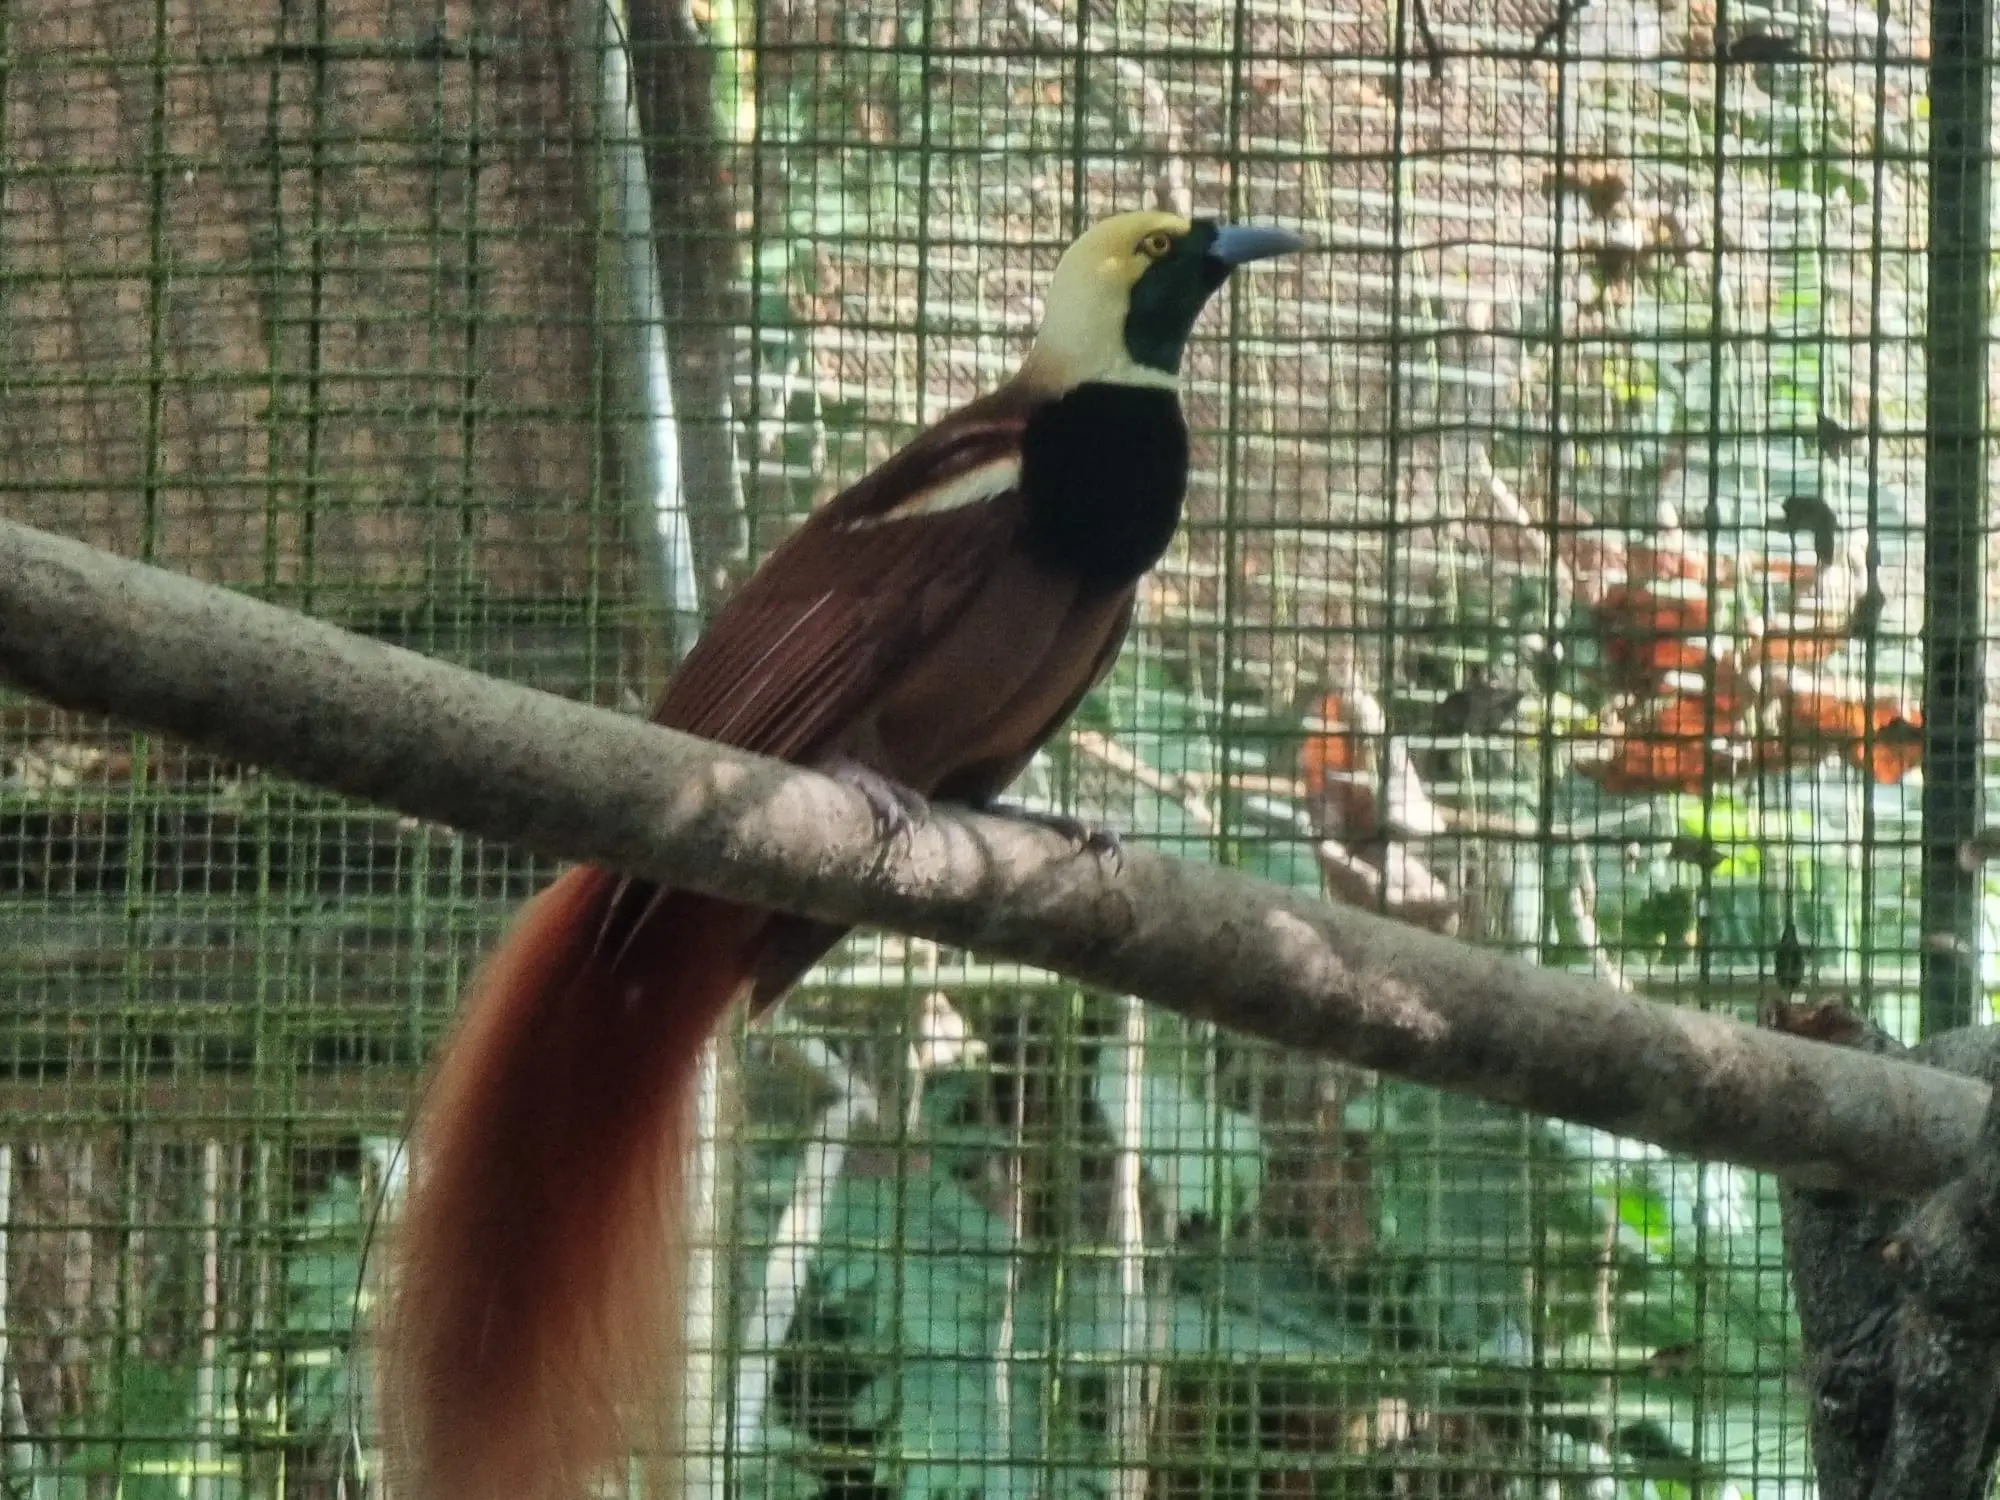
column 1488, row 613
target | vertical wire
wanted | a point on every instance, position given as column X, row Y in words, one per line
column 6, row 184
column 663, row 535
column 472, row 246
column 1720, row 347
column 730, row 1475
column 1395, row 418
column 141, row 848
column 1539, row 1279
column 1955, row 357
column 1872, row 498
column 323, row 312
column 908, row 1096
column 208, row 1393
column 435, row 516
column 271, row 933
column 312, row 481
column 22, row 1460
column 1227, row 846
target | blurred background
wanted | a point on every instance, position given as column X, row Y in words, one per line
column 1584, row 558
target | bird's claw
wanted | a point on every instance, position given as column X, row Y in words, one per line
column 1089, row 838
column 897, row 808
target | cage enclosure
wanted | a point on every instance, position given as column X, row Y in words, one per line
column 1583, row 556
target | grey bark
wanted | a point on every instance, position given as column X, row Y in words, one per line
column 95, row 632
column 1899, row 1309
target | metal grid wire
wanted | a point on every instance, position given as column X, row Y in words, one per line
column 1553, row 576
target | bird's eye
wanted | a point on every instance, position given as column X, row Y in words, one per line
column 1155, row 245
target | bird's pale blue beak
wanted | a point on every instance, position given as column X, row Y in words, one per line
column 1239, row 244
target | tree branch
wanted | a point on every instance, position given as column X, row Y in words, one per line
column 1899, row 1310
column 94, row 632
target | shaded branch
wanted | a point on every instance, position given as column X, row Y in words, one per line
column 97, row 633
column 1899, row 1309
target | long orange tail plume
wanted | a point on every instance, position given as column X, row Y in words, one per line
column 535, row 1320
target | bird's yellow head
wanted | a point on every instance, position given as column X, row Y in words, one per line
column 1125, row 296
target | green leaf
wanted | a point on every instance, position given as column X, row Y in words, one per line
column 950, row 1440
column 325, row 1296
column 1461, row 1190
column 146, row 1399
column 1237, row 1304
column 920, row 1259
column 1209, row 1159
column 780, row 1467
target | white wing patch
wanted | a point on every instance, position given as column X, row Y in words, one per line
column 974, row 487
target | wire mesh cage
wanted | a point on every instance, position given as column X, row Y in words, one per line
column 1555, row 574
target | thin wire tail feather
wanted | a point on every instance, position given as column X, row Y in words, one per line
column 534, row 1325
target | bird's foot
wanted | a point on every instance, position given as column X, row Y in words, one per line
column 1089, row 838
column 897, row 808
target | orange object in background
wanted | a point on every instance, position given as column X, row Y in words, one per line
column 1700, row 708
column 1338, row 770
column 1647, row 633
column 1882, row 737
column 1797, row 647
column 1664, row 750
column 1329, row 749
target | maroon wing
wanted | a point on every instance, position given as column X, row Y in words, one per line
column 812, row 639
column 816, row 635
